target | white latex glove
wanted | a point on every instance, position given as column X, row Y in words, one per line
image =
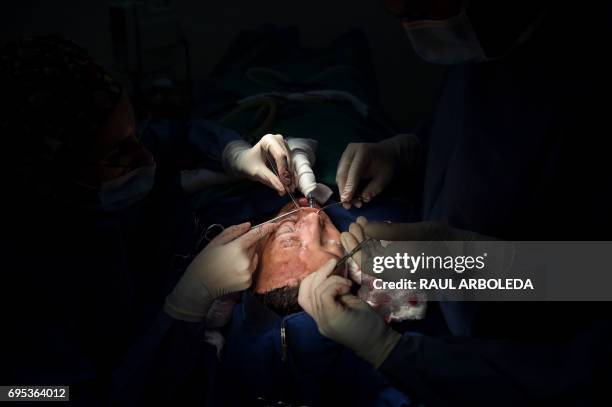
column 376, row 162
column 226, row 265
column 435, row 238
column 353, row 237
column 417, row 232
column 391, row 304
column 242, row 160
column 439, row 239
column 344, row 318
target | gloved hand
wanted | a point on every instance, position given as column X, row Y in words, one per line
column 391, row 304
column 416, row 232
column 434, row 238
column 353, row 237
column 226, row 265
column 376, row 162
column 242, row 160
column 345, row 318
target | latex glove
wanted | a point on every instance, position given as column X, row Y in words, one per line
column 431, row 237
column 390, row 304
column 242, row 160
column 437, row 238
column 376, row 162
column 353, row 237
column 417, row 232
column 224, row 266
column 344, row 318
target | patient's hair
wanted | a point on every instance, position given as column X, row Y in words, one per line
column 282, row 300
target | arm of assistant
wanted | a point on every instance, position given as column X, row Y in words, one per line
column 172, row 362
column 470, row 371
column 557, row 368
column 228, row 157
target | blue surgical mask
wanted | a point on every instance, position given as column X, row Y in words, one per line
column 445, row 42
column 124, row 191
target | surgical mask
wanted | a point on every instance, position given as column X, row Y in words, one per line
column 124, row 191
column 445, row 42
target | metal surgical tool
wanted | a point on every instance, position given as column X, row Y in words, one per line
column 280, row 217
column 329, row 206
column 311, row 201
column 288, row 214
column 273, row 168
column 355, row 250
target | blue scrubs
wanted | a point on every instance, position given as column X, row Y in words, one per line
column 304, row 368
column 519, row 149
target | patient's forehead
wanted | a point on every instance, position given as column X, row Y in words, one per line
column 278, row 269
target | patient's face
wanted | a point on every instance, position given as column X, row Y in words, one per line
column 301, row 244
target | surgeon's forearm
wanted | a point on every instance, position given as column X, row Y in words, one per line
column 456, row 371
column 189, row 301
column 438, row 373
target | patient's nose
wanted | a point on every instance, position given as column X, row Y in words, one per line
column 303, row 202
column 310, row 228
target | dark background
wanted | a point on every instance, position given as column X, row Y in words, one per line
column 407, row 85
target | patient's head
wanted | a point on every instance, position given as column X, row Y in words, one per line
column 301, row 244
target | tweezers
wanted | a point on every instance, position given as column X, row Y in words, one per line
column 280, row 217
column 355, row 250
column 273, row 168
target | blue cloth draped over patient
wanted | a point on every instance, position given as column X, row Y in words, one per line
column 316, row 371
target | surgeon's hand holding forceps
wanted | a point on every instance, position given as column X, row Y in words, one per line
column 352, row 252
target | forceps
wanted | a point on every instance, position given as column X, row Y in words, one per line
column 355, row 250
column 280, row 217
column 271, row 163
column 285, row 215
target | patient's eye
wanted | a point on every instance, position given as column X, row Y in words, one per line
column 286, row 227
column 290, row 242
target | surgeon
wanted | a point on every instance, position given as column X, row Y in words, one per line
column 515, row 150
column 93, row 214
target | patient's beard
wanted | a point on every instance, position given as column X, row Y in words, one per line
column 282, row 300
